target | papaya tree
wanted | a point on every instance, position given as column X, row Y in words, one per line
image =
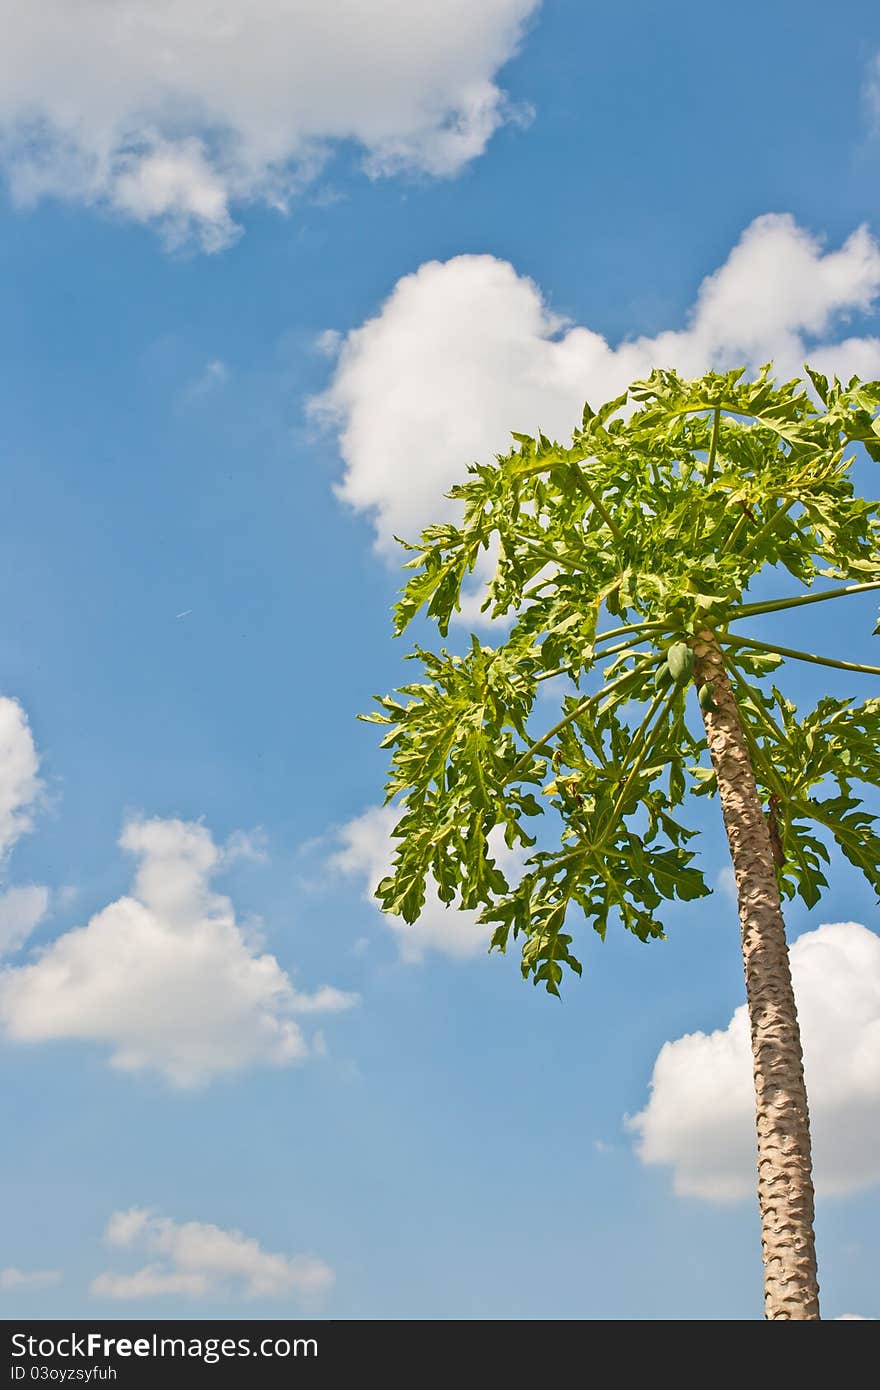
column 623, row 564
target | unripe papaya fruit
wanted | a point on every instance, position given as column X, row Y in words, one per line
column 680, row 660
column 707, row 697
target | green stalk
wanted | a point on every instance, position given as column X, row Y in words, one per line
column 562, row 561
column 799, row 656
column 697, row 407
column 750, row 610
column 734, row 535
column 713, row 445
column 764, row 531
column 641, row 732
column 629, row 627
column 599, row 506
column 664, row 697
column 581, row 705
column 710, row 468
column 551, row 675
column 538, row 585
column 763, row 714
column 636, row 670
column 610, row 651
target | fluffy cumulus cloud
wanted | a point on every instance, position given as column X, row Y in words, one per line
column 165, row 977
column 699, row 1119
column 366, row 851
column 177, row 110
column 12, row 1278
column 464, row 351
column 21, row 908
column 194, row 1259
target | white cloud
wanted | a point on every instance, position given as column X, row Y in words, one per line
column 464, row 351
column 177, row 110
column 853, row 1317
column 195, row 1259
column 152, row 1281
column 21, row 910
column 20, row 786
column 165, row 976
column 366, row 853
column 12, row 1278
column 700, row 1116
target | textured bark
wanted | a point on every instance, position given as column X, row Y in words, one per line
column 785, row 1186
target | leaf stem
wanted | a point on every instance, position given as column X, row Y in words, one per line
column 579, row 708
column 562, row 561
column 598, row 506
column 750, row 610
column 696, row 408
column 734, row 535
column 640, row 742
column 764, row 714
column 610, row 651
column 764, row 531
column 799, row 656
column 713, row 445
column 630, row 627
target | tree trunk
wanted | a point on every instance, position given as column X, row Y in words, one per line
column 785, row 1186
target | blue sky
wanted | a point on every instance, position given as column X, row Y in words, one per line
column 219, row 400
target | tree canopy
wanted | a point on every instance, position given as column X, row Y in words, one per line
column 661, row 512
